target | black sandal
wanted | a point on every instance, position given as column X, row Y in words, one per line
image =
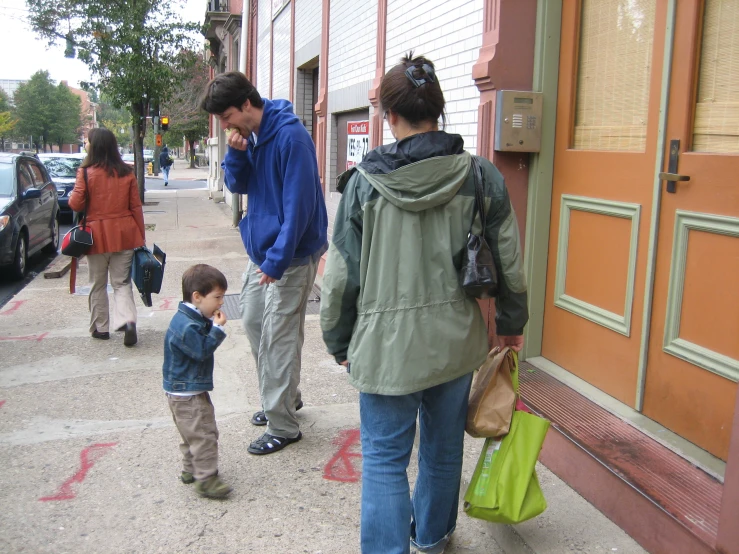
column 260, row 418
column 267, row 444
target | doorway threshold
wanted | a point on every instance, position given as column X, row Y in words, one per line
column 662, row 492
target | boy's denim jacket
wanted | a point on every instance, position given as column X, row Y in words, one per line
column 189, row 345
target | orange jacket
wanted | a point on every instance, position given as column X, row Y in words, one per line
column 114, row 210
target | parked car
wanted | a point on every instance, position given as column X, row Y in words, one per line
column 29, row 212
column 63, row 171
column 129, row 159
column 148, row 156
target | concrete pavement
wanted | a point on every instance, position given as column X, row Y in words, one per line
column 89, row 452
column 181, row 171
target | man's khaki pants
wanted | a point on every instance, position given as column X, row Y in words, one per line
column 274, row 320
column 118, row 265
column 195, row 419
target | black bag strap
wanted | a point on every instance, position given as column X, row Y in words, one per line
column 87, row 193
column 479, row 194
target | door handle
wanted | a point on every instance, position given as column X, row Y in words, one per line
column 671, row 175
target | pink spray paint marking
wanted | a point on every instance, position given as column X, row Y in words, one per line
column 14, row 305
column 341, row 466
column 88, row 457
column 1, row 403
column 37, row 338
column 166, row 303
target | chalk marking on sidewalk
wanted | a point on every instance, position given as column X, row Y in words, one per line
column 88, row 457
column 341, row 467
column 15, row 305
column 37, row 338
column 2, row 402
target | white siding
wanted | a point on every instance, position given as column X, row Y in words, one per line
column 264, row 35
column 281, row 53
column 352, row 43
column 308, row 14
column 449, row 33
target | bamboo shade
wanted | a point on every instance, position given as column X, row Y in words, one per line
column 615, row 62
column 716, row 127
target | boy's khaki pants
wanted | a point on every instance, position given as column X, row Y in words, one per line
column 196, row 421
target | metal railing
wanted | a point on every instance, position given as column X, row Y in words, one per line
column 217, row 5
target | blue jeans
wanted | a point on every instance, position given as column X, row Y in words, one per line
column 165, row 170
column 390, row 519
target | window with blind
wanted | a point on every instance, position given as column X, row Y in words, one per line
column 614, row 68
column 716, row 126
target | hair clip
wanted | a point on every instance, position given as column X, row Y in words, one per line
column 430, row 76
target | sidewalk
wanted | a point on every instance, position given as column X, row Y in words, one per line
column 90, row 455
column 181, row 171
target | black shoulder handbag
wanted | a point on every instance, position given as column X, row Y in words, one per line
column 478, row 275
column 78, row 240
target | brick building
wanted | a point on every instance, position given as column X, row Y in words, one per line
column 629, row 211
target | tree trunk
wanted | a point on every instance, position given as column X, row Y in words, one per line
column 192, row 153
column 139, row 132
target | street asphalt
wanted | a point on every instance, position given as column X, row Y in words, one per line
column 90, row 455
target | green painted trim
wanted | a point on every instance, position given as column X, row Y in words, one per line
column 621, row 323
column 673, row 344
column 541, row 168
column 656, row 203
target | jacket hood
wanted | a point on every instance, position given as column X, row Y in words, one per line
column 276, row 114
column 419, row 172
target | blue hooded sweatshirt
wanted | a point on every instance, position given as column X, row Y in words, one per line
column 286, row 218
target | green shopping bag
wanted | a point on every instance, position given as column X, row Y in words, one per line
column 504, row 486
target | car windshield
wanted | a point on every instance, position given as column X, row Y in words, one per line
column 62, row 167
column 6, row 179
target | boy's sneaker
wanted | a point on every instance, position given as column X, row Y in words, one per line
column 212, row 487
column 187, row 478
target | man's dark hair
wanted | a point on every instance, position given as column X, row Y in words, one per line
column 202, row 278
column 417, row 100
column 228, row 90
column 103, row 152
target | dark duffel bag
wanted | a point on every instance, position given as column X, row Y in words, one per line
column 147, row 271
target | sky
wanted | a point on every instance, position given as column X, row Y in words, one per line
column 26, row 53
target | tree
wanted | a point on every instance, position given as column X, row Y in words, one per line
column 185, row 116
column 116, row 120
column 128, row 46
column 7, row 123
column 65, row 128
column 35, row 108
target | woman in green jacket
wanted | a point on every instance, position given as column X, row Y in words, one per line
column 393, row 311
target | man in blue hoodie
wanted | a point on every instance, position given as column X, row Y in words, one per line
column 272, row 158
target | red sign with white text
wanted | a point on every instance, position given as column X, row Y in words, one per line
column 357, row 142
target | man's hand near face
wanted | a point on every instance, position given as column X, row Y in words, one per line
column 235, row 139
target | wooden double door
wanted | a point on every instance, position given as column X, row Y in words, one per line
column 643, row 272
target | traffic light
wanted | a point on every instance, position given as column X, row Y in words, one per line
column 165, row 123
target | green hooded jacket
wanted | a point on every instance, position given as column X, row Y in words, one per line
column 391, row 301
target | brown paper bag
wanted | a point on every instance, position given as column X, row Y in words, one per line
column 492, row 397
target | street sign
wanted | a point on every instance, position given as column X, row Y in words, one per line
column 159, row 140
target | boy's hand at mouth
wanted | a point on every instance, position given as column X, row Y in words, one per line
column 219, row 318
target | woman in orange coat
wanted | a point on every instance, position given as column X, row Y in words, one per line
column 114, row 214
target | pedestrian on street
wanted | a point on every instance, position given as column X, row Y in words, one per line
column 165, row 162
column 271, row 157
column 107, row 190
column 394, row 313
column 194, row 333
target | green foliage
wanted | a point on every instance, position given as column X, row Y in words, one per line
column 65, row 127
column 117, row 120
column 35, row 108
column 4, row 102
column 132, row 48
column 186, row 119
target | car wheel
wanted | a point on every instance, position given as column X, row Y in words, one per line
column 53, row 246
column 20, row 262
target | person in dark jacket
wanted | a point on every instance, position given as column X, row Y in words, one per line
column 271, row 157
column 394, row 313
column 165, row 162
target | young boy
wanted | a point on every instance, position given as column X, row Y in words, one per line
column 196, row 330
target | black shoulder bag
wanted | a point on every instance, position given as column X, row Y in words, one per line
column 78, row 240
column 478, row 275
